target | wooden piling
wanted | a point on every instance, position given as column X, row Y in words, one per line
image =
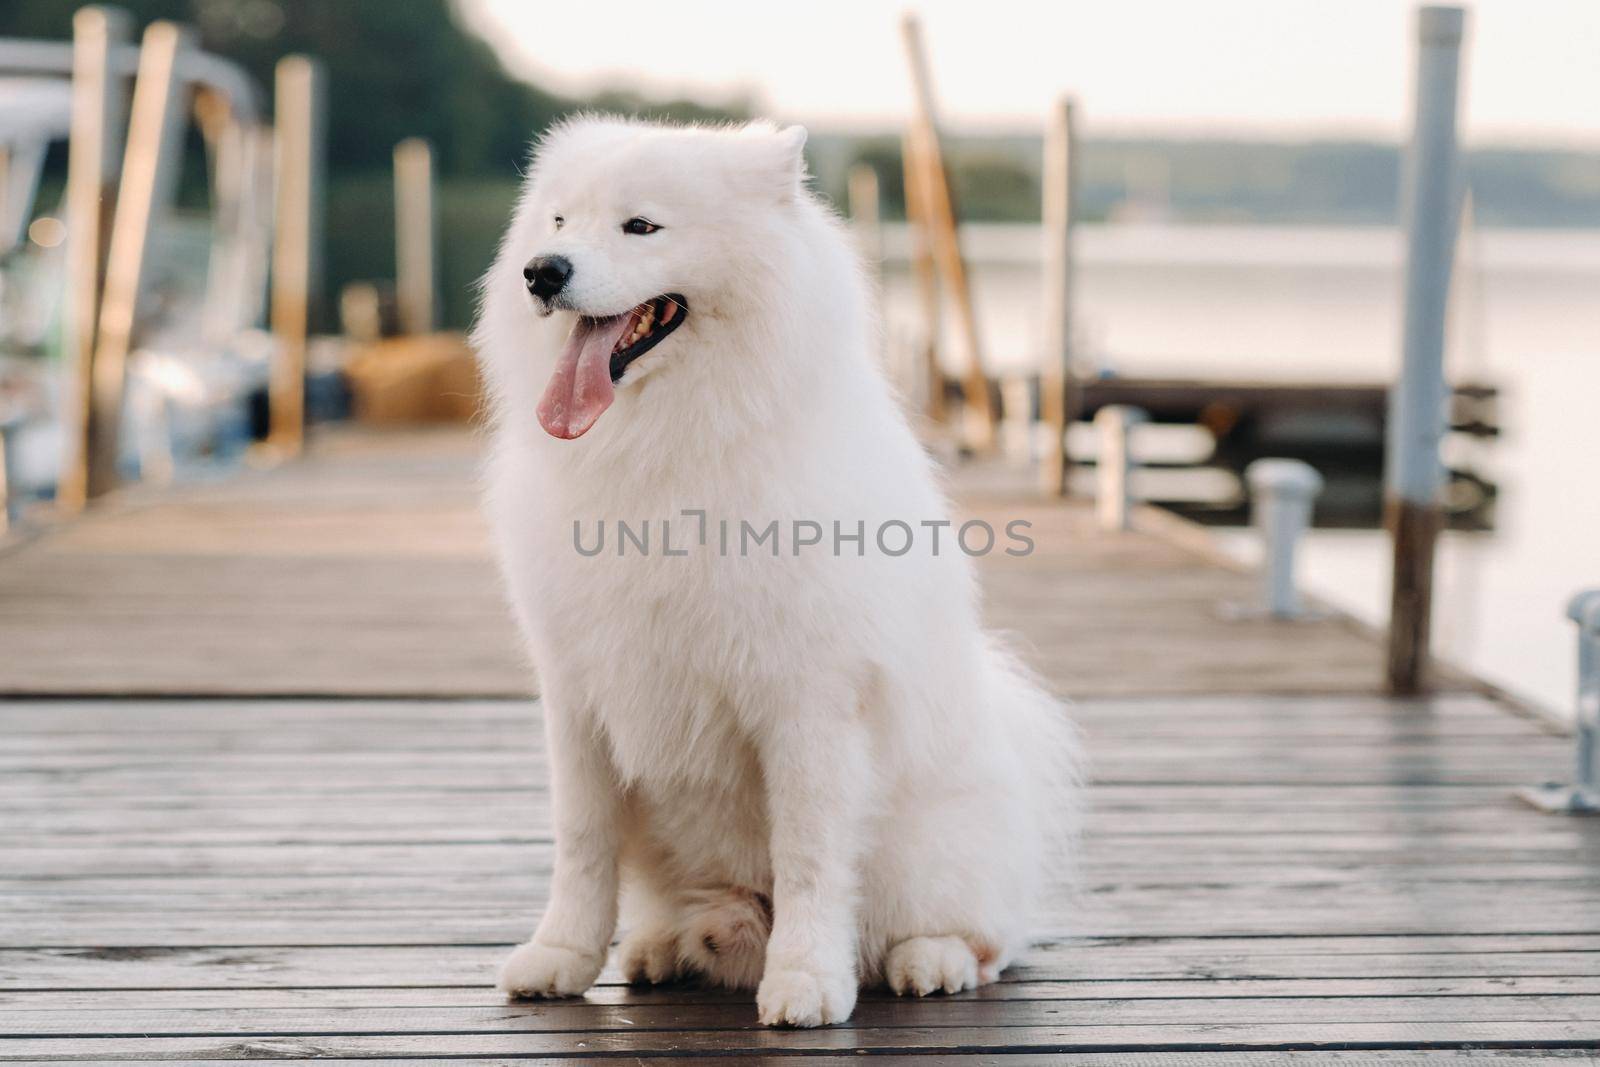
column 979, row 421
column 862, row 191
column 94, row 152
column 1415, row 471
column 149, row 178
column 1058, row 399
column 296, row 242
column 926, row 359
column 414, row 228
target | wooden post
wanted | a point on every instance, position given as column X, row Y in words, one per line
column 1415, row 472
column 296, row 258
column 149, row 178
column 864, row 211
column 414, row 228
column 941, row 212
column 1058, row 402
column 94, row 151
column 922, row 266
column 862, row 192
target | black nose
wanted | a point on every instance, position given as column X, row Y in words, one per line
column 547, row 275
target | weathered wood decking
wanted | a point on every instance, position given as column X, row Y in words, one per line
column 266, row 791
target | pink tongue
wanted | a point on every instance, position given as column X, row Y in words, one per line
column 580, row 389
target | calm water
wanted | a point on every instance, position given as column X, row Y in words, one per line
column 1308, row 303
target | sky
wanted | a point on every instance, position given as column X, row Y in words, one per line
column 1266, row 68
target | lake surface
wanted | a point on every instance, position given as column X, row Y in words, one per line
column 1319, row 303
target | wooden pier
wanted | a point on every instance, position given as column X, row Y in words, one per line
column 270, row 787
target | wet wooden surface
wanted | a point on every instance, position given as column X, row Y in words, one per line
column 1280, row 865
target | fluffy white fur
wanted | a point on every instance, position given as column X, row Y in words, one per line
column 801, row 773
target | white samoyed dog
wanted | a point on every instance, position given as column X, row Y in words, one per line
column 787, row 754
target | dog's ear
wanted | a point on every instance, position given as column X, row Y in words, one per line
column 781, row 161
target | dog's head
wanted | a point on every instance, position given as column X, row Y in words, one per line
column 631, row 233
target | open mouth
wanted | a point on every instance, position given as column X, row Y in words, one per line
column 597, row 354
column 648, row 325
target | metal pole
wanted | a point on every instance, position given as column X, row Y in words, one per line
column 1057, row 402
column 414, row 228
column 1281, row 493
column 149, row 179
column 1114, row 465
column 94, row 150
column 1415, row 474
column 296, row 245
column 1582, row 795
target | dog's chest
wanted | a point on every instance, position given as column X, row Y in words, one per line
column 661, row 660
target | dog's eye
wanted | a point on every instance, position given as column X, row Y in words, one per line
column 560, row 222
column 638, row 226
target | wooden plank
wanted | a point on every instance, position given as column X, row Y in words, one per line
column 480, row 994
column 457, row 820
column 1088, row 959
column 1132, row 911
column 1316, row 1058
column 733, row 1014
column 1255, row 714
column 1059, row 1038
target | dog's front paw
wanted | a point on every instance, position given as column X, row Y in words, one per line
column 649, row 956
column 805, row 998
column 535, row 970
column 922, row 965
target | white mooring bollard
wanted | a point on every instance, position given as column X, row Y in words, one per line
column 1582, row 795
column 1114, row 424
column 1281, row 494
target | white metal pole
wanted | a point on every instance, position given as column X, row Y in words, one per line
column 1415, row 473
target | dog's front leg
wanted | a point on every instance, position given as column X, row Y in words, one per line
column 568, row 950
column 817, row 774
